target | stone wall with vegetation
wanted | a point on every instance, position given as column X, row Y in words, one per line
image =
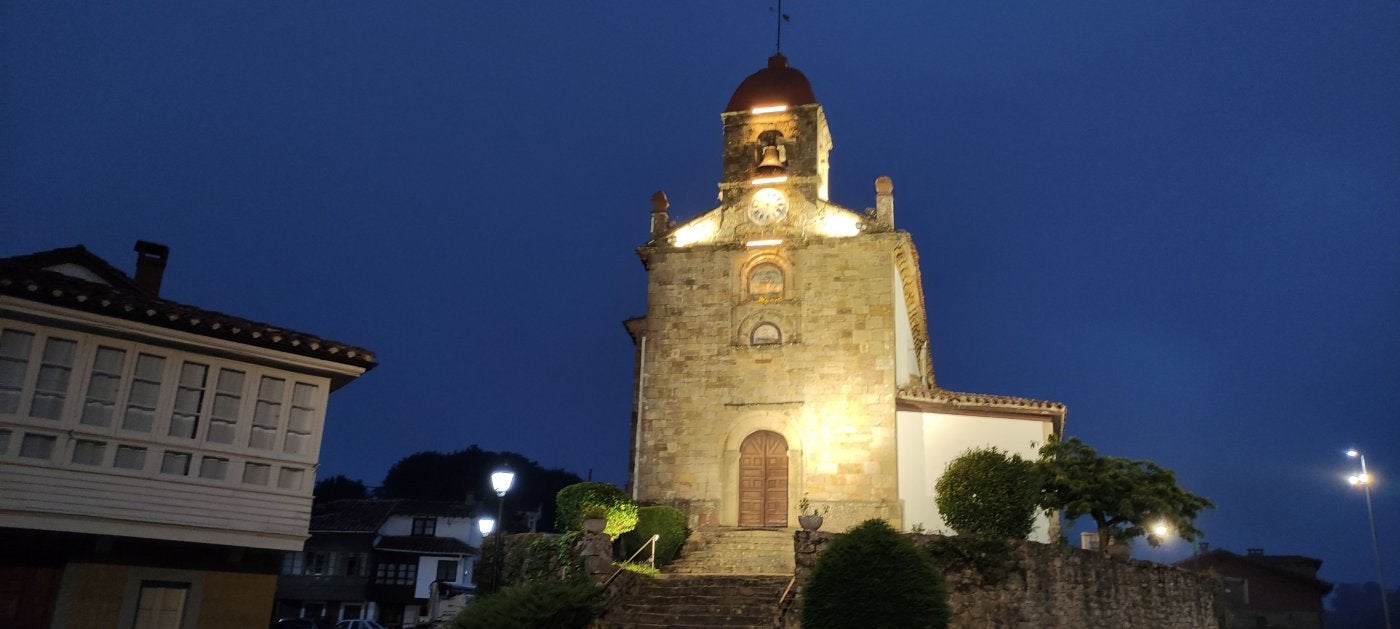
column 996, row 585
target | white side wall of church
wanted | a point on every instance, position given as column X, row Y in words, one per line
column 906, row 358
column 928, row 442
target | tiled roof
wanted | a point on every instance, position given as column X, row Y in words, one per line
column 366, row 516
column 432, row 508
column 1281, row 565
column 350, row 516
column 26, row 277
column 424, row 545
column 979, row 400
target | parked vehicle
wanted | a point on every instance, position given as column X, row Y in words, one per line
column 303, row 623
column 358, row 624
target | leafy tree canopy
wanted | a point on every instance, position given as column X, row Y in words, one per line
column 452, row 476
column 985, row 492
column 1124, row 497
column 340, row 488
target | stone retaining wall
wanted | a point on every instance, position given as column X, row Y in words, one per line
column 1054, row 586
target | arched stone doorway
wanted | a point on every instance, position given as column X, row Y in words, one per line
column 763, row 480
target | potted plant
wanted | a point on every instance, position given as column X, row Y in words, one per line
column 811, row 517
column 595, row 518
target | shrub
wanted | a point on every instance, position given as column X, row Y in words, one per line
column 668, row 522
column 874, row 577
column 573, row 501
column 985, row 492
column 538, row 604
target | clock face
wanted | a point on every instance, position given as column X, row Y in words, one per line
column 768, row 205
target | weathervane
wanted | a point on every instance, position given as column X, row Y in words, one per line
column 782, row 17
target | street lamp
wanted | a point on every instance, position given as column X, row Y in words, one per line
column 500, row 481
column 1364, row 480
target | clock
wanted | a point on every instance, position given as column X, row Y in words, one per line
column 768, row 205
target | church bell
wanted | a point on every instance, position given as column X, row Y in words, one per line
column 771, row 165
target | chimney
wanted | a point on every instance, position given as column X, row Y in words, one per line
column 150, row 266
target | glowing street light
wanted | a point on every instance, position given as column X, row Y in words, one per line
column 1364, row 480
column 1160, row 529
column 486, row 525
column 500, row 481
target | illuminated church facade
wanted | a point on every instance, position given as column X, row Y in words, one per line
column 784, row 353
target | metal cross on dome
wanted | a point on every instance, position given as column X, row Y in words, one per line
column 782, row 17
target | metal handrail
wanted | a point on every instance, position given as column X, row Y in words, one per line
column 651, row 542
column 791, row 582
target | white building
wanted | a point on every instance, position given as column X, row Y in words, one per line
column 156, row 458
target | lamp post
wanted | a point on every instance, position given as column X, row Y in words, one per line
column 1364, row 480
column 500, row 481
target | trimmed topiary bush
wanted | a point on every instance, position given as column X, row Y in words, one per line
column 574, row 500
column 538, row 604
column 668, row 522
column 874, row 577
column 985, row 492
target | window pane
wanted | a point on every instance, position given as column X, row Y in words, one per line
column 88, row 452
column 295, row 443
column 150, row 367
column 265, row 413
column 145, row 393
column 304, row 395
column 256, row 473
column 226, row 406
column 52, row 386
column 220, row 432
column 14, row 358
column 4, row 442
column 290, row 478
column 231, row 381
column 177, row 463
column 262, row 438
column 271, row 389
column 300, row 419
column 213, row 468
column 103, row 387
column 130, row 458
column 36, row 446
column 15, row 344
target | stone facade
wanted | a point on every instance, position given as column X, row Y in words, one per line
column 1054, row 586
column 796, row 326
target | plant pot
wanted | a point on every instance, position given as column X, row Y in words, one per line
column 810, row 522
column 595, row 525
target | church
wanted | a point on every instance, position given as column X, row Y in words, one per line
column 783, row 360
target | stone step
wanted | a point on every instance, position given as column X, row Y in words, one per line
column 698, row 602
column 736, row 552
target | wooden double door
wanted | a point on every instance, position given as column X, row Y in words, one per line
column 763, row 480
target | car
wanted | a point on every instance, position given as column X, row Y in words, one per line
column 303, row 623
column 358, row 624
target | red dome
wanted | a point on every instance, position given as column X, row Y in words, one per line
column 776, row 84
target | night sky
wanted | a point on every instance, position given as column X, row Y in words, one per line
column 1181, row 219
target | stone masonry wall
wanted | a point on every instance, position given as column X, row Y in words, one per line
column 828, row 388
column 1053, row 586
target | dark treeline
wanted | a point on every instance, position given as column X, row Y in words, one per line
column 464, row 475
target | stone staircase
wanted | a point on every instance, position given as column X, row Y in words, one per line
column 692, row 601
column 736, row 551
column 727, row 578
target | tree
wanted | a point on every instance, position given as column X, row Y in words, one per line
column 340, row 488
column 985, row 492
column 573, row 502
column 874, row 577
column 1124, row 497
column 452, row 476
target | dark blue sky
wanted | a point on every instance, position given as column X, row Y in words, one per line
column 1181, row 219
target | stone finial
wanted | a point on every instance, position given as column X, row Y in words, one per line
column 660, row 220
column 884, row 201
